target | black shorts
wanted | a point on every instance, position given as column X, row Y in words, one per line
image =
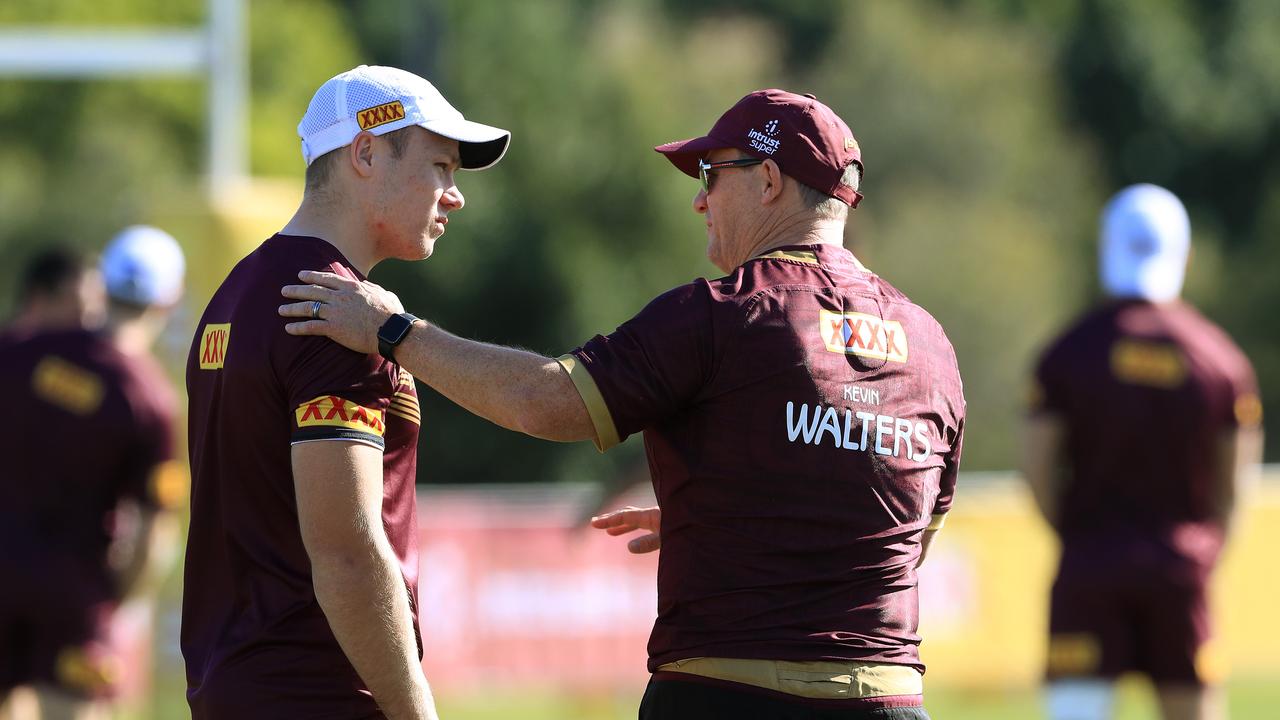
column 1105, row 621
column 671, row 699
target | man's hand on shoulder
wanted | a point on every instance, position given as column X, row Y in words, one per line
column 348, row 312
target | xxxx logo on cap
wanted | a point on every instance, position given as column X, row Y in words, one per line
column 380, row 115
column 862, row 334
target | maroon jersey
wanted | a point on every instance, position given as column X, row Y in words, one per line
column 255, row 639
column 1145, row 391
column 89, row 427
column 803, row 422
column 95, row 427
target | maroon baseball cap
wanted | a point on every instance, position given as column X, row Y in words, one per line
column 807, row 140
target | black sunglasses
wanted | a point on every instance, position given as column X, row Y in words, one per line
column 704, row 167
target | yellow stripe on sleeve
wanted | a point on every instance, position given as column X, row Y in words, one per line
column 606, row 432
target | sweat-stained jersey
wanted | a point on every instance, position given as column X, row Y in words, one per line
column 803, row 423
column 255, row 640
column 1146, row 392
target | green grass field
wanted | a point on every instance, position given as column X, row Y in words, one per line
column 1255, row 699
column 1249, row 700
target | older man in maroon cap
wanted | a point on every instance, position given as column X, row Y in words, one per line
column 802, row 419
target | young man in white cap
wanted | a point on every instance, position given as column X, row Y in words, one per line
column 803, row 422
column 1145, row 419
column 90, row 474
column 302, row 567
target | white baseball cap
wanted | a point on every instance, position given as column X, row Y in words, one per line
column 1146, row 237
column 143, row 265
column 383, row 99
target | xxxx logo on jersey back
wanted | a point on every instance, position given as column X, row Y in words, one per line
column 331, row 411
column 862, row 334
column 380, row 115
column 213, row 345
column 68, row 386
column 1153, row 364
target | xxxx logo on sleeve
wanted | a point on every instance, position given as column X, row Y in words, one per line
column 213, row 345
column 380, row 115
column 331, row 411
column 862, row 334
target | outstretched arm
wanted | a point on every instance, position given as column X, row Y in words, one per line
column 514, row 388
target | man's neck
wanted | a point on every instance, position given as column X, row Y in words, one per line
column 798, row 231
column 133, row 336
column 337, row 226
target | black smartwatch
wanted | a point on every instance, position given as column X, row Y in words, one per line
column 392, row 332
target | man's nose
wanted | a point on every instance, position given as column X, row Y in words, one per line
column 700, row 202
column 453, row 198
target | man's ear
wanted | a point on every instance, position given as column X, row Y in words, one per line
column 361, row 153
column 771, row 189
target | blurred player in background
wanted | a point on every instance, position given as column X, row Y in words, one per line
column 1145, row 421
column 57, row 290
column 89, row 475
column 302, row 560
column 802, row 419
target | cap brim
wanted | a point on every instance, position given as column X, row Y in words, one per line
column 685, row 154
column 479, row 146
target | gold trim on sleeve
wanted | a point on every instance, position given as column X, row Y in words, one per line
column 606, row 432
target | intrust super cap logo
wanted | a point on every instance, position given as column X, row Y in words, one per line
column 213, row 345
column 330, row 411
column 380, row 115
column 862, row 334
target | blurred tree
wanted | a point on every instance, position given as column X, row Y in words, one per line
column 81, row 159
column 806, row 27
column 974, row 202
column 993, row 130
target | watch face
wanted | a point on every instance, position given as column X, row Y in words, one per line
column 394, row 330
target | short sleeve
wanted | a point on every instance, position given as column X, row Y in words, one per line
column 155, row 477
column 947, row 481
column 650, row 367
column 336, row 394
column 1246, row 404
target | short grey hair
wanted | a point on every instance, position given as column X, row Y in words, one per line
column 318, row 172
column 825, row 206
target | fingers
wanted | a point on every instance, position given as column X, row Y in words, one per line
column 326, row 279
column 298, row 309
column 308, row 292
column 310, row 327
column 645, row 544
column 617, row 518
